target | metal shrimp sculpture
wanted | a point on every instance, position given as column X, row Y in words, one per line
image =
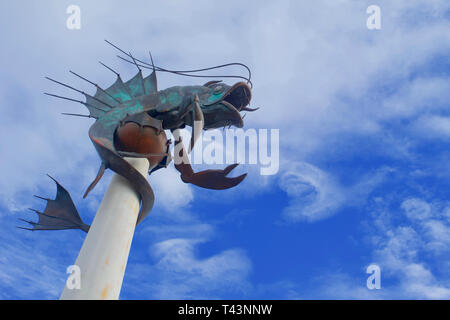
column 130, row 119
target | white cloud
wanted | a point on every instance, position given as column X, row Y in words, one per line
column 315, row 194
column 397, row 246
column 178, row 273
column 172, row 193
column 400, row 251
column 420, row 95
column 31, row 269
column 438, row 235
column 412, row 255
column 433, row 126
column 177, row 255
column 416, row 209
column 191, row 230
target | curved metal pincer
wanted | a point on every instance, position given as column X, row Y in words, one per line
column 210, row 179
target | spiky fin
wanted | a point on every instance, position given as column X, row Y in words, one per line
column 119, row 91
column 123, row 92
column 136, row 85
column 151, row 83
column 59, row 214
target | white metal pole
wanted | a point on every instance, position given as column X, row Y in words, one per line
column 103, row 257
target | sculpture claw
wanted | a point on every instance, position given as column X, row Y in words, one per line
column 214, row 179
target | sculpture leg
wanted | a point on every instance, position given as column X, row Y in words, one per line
column 209, row 179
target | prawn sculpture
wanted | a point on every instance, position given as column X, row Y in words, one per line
column 130, row 119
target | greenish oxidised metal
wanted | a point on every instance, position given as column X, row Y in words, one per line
column 174, row 98
column 215, row 103
column 171, row 107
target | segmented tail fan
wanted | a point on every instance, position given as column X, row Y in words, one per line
column 59, row 214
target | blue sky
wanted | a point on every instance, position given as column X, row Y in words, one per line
column 364, row 131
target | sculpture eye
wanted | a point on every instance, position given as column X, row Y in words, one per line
column 218, row 89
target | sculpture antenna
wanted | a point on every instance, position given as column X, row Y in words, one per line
column 82, row 92
column 96, row 85
column 74, row 100
column 110, row 69
column 79, row 115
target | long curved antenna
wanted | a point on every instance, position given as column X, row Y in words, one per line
column 184, row 72
column 135, row 63
column 189, row 75
column 211, row 68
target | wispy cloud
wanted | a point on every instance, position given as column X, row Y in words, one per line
column 315, row 194
column 178, row 273
column 405, row 251
column 401, row 248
